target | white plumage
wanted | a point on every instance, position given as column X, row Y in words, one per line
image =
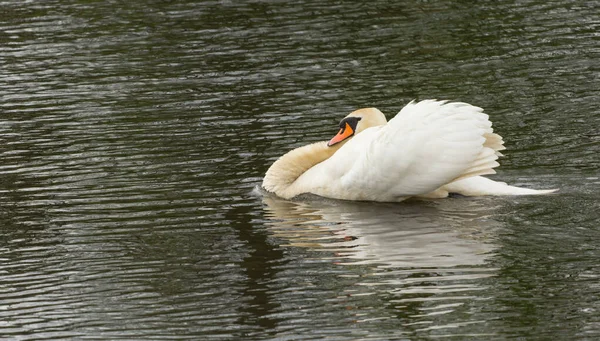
column 430, row 148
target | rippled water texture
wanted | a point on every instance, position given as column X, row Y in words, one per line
column 133, row 135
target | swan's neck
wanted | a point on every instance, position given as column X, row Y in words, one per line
column 290, row 166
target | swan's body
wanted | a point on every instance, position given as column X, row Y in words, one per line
column 430, row 149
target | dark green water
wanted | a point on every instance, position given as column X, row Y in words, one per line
column 133, row 135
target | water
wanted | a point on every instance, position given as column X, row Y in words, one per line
column 133, row 136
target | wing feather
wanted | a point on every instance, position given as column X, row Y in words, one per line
column 427, row 145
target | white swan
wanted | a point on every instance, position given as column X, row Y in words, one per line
column 430, row 149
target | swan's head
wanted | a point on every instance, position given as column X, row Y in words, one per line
column 356, row 122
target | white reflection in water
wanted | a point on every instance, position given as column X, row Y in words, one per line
column 420, row 234
column 425, row 260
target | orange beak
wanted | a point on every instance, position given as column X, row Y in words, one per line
column 344, row 133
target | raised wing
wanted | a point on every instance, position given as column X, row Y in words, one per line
column 427, row 145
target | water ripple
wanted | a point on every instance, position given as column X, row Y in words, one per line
column 132, row 137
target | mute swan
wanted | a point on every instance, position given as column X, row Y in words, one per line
column 430, row 149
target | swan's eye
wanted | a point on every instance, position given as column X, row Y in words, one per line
column 347, row 129
column 352, row 121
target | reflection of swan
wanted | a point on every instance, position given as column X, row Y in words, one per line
column 429, row 149
column 423, row 235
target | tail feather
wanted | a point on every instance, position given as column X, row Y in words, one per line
column 478, row 185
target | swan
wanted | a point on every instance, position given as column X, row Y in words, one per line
column 429, row 149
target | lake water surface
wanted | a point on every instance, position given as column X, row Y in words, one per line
column 134, row 134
